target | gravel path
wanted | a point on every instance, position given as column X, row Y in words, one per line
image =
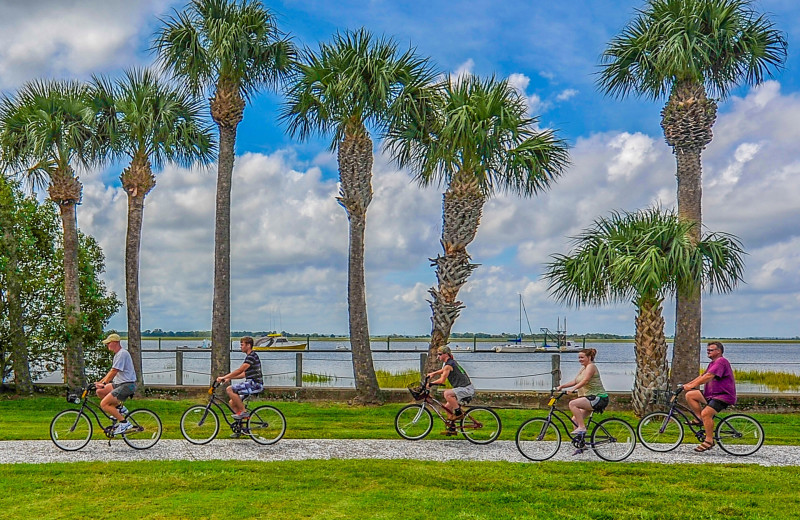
column 13, row 452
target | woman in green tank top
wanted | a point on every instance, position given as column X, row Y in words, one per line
column 590, row 388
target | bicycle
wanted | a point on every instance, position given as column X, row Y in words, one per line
column 72, row 429
column 200, row 423
column 737, row 434
column 479, row 424
column 539, row 439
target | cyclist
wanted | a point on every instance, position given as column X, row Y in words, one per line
column 118, row 385
column 462, row 386
column 592, row 394
column 718, row 394
column 254, row 379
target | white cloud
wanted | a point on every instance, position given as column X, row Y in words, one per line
column 564, row 95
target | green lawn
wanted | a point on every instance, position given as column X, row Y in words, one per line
column 356, row 489
column 26, row 419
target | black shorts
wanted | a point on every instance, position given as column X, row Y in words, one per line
column 598, row 402
column 717, row 405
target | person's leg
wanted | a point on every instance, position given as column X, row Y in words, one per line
column 109, row 405
column 707, row 415
column 580, row 409
column 235, row 401
column 452, row 403
column 102, row 392
column 696, row 401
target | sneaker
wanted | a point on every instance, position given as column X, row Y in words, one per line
column 450, row 431
column 235, row 435
column 122, row 427
column 458, row 413
column 576, row 431
column 122, row 410
column 239, row 416
column 579, row 451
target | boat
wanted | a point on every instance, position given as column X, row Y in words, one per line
column 205, row 345
column 515, row 344
column 277, row 342
column 460, row 348
column 343, row 347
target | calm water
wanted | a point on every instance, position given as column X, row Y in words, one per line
column 489, row 370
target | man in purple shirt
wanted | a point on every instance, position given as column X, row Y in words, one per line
column 718, row 394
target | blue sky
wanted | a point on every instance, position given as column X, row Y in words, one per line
column 289, row 237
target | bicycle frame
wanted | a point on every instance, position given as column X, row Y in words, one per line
column 556, row 413
column 218, row 402
column 86, row 404
column 678, row 408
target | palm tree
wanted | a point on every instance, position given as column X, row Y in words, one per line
column 232, row 49
column 45, row 128
column 687, row 49
column 354, row 82
column 477, row 138
column 643, row 257
column 147, row 122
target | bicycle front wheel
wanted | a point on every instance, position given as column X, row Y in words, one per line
column 199, row 425
column 740, row 435
column 71, row 430
column 613, row 439
column 481, row 425
column 538, row 439
column 266, row 425
column 660, row 432
column 413, row 422
column 145, row 430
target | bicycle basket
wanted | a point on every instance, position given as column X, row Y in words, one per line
column 662, row 397
column 417, row 391
column 73, row 398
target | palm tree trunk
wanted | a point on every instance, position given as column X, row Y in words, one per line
column 687, row 120
column 355, row 195
column 137, row 180
column 462, row 208
column 74, row 364
column 221, row 313
column 19, row 348
column 651, row 356
column 132, row 248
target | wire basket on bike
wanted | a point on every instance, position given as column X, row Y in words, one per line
column 418, row 391
column 662, row 397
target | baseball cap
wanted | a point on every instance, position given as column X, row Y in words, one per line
column 110, row 338
column 444, row 350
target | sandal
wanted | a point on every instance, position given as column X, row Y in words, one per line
column 705, row 446
column 695, row 423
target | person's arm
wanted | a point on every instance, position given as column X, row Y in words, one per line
column 239, row 372
column 697, row 381
column 108, row 377
column 587, row 376
column 435, row 372
column 445, row 372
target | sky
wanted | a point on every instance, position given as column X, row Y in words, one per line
column 289, row 236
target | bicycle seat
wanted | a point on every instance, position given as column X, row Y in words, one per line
column 466, row 400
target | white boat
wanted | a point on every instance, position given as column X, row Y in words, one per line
column 515, row 347
column 460, row 348
column 277, row 342
column 344, row 348
column 206, row 344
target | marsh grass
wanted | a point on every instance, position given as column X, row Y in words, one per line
column 781, row 381
column 389, row 489
column 310, row 377
column 400, row 379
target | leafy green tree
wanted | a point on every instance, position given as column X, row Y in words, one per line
column 31, row 292
column 644, row 257
column 344, row 87
column 686, row 49
column 476, row 137
column 232, row 49
column 147, row 122
column 45, row 128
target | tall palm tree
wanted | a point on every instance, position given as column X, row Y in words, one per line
column 643, row 257
column 354, row 82
column 232, row 49
column 148, row 122
column 686, row 50
column 477, row 138
column 45, row 129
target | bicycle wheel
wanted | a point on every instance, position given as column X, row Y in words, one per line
column 739, row 435
column 613, row 439
column 660, row 432
column 481, row 425
column 538, row 439
column 266, row 425
column 145, row 429
column 199, row 425
column 71, row 430
column 413, row 422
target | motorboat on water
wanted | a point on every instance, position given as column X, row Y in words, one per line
column 277, row 342
column 568, row 346
column 515, row 347
column 205, row 345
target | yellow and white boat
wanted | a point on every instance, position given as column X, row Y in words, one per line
column 278, row 342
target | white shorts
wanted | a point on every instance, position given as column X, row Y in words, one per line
column 462, row 392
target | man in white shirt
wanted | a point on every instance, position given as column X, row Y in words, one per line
column 118, row 385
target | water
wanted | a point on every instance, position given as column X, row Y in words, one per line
column 487, row 369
